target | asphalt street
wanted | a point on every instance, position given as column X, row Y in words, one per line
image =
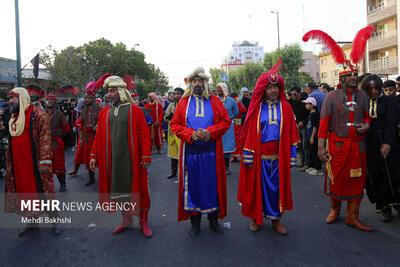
column 310, row 241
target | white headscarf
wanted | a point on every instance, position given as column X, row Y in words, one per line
column 244, row 89
column 224, row 88
column 17, row 122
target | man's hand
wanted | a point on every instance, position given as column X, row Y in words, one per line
column 322, row 152
column 250, row 165
column 301, row 125
column 362, row 128
column 95, row 128
column 92, row 164
column 195, row 136
column 204, row 134
column 311, row 141
column 385, row 150
column 156, row 124
column 145, row 164
column 44, row 169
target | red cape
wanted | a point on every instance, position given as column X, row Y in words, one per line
column 139, row 146
column 157, row 115
column 250, row 194
column 220, row 126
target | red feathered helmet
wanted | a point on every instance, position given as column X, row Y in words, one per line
column 37, row 90
column 52, row 96
column 90, row 92
column 357, row 52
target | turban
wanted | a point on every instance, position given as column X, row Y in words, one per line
column 198, row 72
column 118, row 82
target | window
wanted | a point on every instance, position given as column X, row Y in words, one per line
column 336, row 73
column 323, row 61
column 240, row 54
column 306, row 63
column 324, row 75
column 381, row 3
column 256, row 54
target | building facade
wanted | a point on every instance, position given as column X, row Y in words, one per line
column 242, row 53
column 311, row 65
column 329, row 70
column 383, row 46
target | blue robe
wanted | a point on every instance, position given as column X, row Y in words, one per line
column 228, row 139
column 270, row 121
column 200, row 180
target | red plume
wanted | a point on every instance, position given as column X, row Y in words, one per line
column 336, row 50
column 359, row 43
column 275, row 68
column 130, row 82
column 99, row 83
column 67, row 89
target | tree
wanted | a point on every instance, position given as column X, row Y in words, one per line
column 245, row 76
column 78, row 65
column 216, row 76
column 292, row 56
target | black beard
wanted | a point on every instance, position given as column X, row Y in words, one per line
column 115, row 102
column 197, row 90
column 49, row 106
column 34, row 98
column 14, row 108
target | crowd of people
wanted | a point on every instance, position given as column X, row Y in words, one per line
column 349, row 133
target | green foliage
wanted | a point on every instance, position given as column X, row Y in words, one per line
column 216, row 77
column 292, row 56
column 79, row 65
column 245, row 76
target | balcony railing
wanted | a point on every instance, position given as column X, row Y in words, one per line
column 382, row 35
column 383, row 63
column 374, row 9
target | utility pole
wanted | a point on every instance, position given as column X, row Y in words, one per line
column 19, row 75
column 277, row 24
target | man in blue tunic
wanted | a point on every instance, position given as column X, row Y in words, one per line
column 228, row 139
column 199, row 122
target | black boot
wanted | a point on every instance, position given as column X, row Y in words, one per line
column 228, row 172
column 195, row 230
column 174, row 168
column 387, row 215
column 213, row 220
column 29, row 228
column 91, row 178
column 63, row 185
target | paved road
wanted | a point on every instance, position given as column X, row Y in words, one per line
column 310, row 241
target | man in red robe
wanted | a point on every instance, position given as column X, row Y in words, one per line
column 341, row 136
column 199, row 122
column 270, row 137
column 87, row 124
column 237, row 126
column 122, row 149
column 59, row 128
column 341, row 144
column 157, row 115
column 29, row 175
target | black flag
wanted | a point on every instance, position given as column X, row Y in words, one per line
column 35, row 63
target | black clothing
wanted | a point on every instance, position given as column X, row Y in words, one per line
column 382, row 187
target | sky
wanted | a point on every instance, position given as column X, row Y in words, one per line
column 175, row 35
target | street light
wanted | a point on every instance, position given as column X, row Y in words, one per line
column 18, row 46
column 277, row 23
